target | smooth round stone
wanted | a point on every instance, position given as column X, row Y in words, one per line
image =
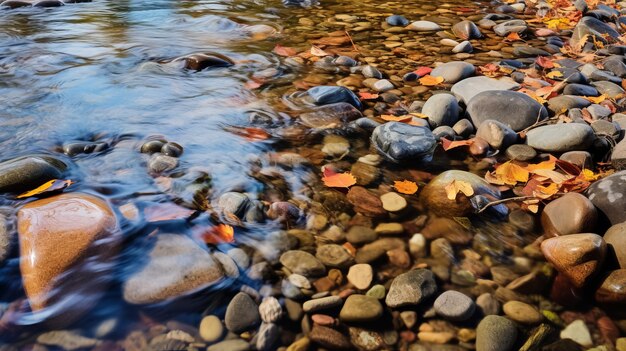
column 609, row 196
column 442, row 110
column 520, row 152
column 202, row 61
column 604, row 127
column 299, row 280
column 28, row 172
column 444, row 132
column 411, row 288
column 383, row 85
column 454, row 71
column 333, row 255
column 570, row 214
column 454, row 306
column 172, row 149
column 580, row 90
column 424, row 26
column 323, row 303
column 329, row 338
column 561, row 137
column 498, row 135
column 495, row 333
column 361, row 235
column 378, row 291
column 563, row 103
column 577, row 256
column 582, row 159
column 464, row 46
column 512, row 108
column 463, row 127
column 361, row 276
column 81, row 147
column 598, row 111
column 529, row 51
column 303, row 263
column 397, row 20
column 242, row 314
column 325, row 95
column 513, row 26
column 449, row 42
column 578, row 331
column 522, row 313
column 466, row 30
column 371, row 72
column 615, row 237
column 612, row 291
column 612, row 90
column 160, row 163
column 211, row 329
column 488, row 304
column 590, row 26
column 400, row 142
column 152, row 146
column 393, row 202
column 270, row 309
column 360, row 308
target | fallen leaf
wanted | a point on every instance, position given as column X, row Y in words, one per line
column 52, row 185
column 513, row 36
column 544, row 62
column 588, row 175
column 167, row 211
column 554, row 74
column 284, row 50
column 511, row 173
column 550, row 164
column 449, row 144
column 596, row 99
column 338, row 180
column 554, row 176
column 392, row 118
column 250, row 133
column 457, row 186
column 315, row 51
column 429, row 80
column 363, row 95
column 531, row 205
column 405, row 187
column 221, row 233
column 422, row 71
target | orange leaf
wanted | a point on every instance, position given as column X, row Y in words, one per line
column 392, row 118
column 315, row 51
column 457, row 186
column 405, row 187
column 250, row 133
column 550, row 164
column 52, row 185
column 221, row 233
column 338, row 180
column 595, row 99
column 429, row 80
column 448, row 144
column 284, row 50
column 508, row 173
column 422, row 71
column 367, row 96
column 544, row 62
column 513, row 36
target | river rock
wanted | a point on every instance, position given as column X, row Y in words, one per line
column 512, row 108
column 242, row 314
column 365, row 202
column 454, row 306
column 28, row 172
column 466, row 30
column 333, row 255
column 454, row 71
column 522, row 312
column 436, row 199
column 582, row 159
column 497, row 135
column 577, row 256
column 520, row 152
column 401, row 142
column 64, row 238
column 321, row 304
column 610, row 89
column 513, row 26
column 580, row 90
column 424, row 26
column 176, row 265
column 464, row 46
column 329, row 338
column 612, row 291
column 302, row 262
column 202, row 61
column 466, row 89
column 609, row 196
column 326, row 94
column 159, row 163
column 230, row 345
column 563, row 103
column 570, row 214
column 442, row 110
column 360, row 308
column 330, row 116
column 211, row 329
column 361, row 276
column 561, row 137
column 495, row 333
column 578, row 331
column 615, row 238
column 411, row 288
column 397, row 20
column 594, row 28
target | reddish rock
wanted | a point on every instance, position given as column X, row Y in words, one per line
column 572, row 213
column 564, row 293
column 450, row 229
column 577, row 256
column 613, row 288
column 615, row 238
column 365, row 202
column 64, row 239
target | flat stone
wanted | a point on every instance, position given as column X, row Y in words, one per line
column 321, row 304
column 333, row 255
column 361, row 308
column 454, row 71
column 411, row 288
column 401, row 142
column 393, row 202
column 612, row 90
column 608, row 195
column 466, row 89
column 454, row 306
column 442, row 110
column 580, row 90
column 325, row 95
column 230, row 345
column 592, row 27
column 26, row 173
column 359, row 235
column 466, row 30
column 512, row 108
column 67, row 340
column 561, row 137
column 522, row 312
column 563, row 103
column 495, row 333
column 424, row 26
column 570, row 214
column 577, row 256
column 488, row 304
column 520, row 152
column 302, row 262
column 329, row 338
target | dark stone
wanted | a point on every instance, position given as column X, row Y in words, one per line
column 517, row 110
column 16, row 3
column 242, row 314
column 397, row 20
column 201, row 61
column 580, row 90
column 28, row 172
column 399, row 142
column 83, row 147
column 594, row 28
column 325, row 95
column 609, row 196
column 563, row 103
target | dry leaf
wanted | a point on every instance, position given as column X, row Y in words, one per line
column 596, row 99
column 448, row 144
column 510, row 173
column 392, row 118
column 457, row 186
column 338, row 180
column 221, row 233
column 315, row 51
column 554, row 74
column 405, row 187
column 544, row 62
column 429, row 80
column 52, row 185
column 367, row 96
column 513, row 36
column 284, row 50
column 250, row 133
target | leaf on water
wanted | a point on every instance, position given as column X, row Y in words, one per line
column 429, row 80
column 458, row 186
column 250, row 133
column 284, row 50
column 316, row 51
column 221, row 233
column 49, row 186
column 338, row 180
column 405, row 187
column 554, row 74
column 422, row 71
column 367, row 96
column 449, row 144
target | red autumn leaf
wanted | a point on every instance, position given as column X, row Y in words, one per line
column 544, row 62
column 422, row 71
column 367, row 96
column 284, row 50
column 449, row 144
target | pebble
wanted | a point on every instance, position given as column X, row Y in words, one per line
column 211, row 329
column 242, row 314
column 361, row 276
column 454, row 71
column 577, row 256
column 397, row 20
column 497, row 134
column 570, row 214
column 323, row 303
column 442, row 110
column 230, row 345
column 329, row 338
column 520, row 152
column 411, row 288
column 270, row 310
column 514, row 109
column 488, row 304
column 577, row 331
column 400, row 142
column 495, row 333
column 383, row 85
column 424, row 26
column 361, row 308
column 301, row 262
column 522, row 313
column 454, row 306
column 333, row 255
column 561, row 137
column 378, row 291
column 393, row 202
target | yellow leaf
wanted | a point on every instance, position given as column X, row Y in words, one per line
column 457, row 186
column 53, row 185
column 511, row 173
column 554, row 176
column 544, row 192
column 429, row 80
column 339, row 180
column 541, row 165
column 554, row 74
column 558, row 23
column 596, row 99
column 405, row 187
column 588, row 175
column 392, row 118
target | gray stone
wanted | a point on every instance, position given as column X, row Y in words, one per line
column 466, row 30
column 441, row 109
column 382, row 85
column 323, row 303
column 330, row 116
column 520, row 152
column 159, row 163
column 604, row 127
column 444, row 132
column 333, row 255
column 371, row 72
column 594, row 28
column 562, row 103
column 242, row 314
column 424, row 26
column 512, row 108
column 454, row 71
column 454, row 306
column 267, row 336
column 618, row 157
column 464, row 46
column 399, row 142
column 582, row 159
column 513, row 26
column 495, row 333
column 488, row 304
column 397, row 20
column 233, row 203
column 612, row 90
column 497, row 135
column 466, row 89
column 28, row 172
column 598, row 111
column 464, row 128
column 176, row 265
column 580, row 90
column 609, row 196
column 411, row 288
column 302, row 262
column 561, row 137
column 529, row 51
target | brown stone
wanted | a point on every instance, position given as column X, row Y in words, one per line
column 565, row 293
column 613, row 288
column 572, row 213
column 438, row 227
column 615, row 238
column 329, row 338
column 365, row 202
column 57, row 235
column 577, row 256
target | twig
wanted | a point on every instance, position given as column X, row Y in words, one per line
column 497, row 202
column 536, row 339
column 350, row 37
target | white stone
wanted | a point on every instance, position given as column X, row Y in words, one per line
column 578, row 331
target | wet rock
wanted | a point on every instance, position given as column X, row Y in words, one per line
column 242, row 314
column 329, row 338
column 612, row 291
column 330, row 116
column 464, row 46
column 424, row 26
column 325, row 95
column 570, row 214
column 397, row 20
column 28, row 172
column 467, row 88
column 360, row 308
column 321, row 304
column 511, row 108
column 513, row 26
column 612, row 90
column 561, row 137
column 13, row 4
column 618, row 156
column 578, row 331
column 172, row 149
column 83, row 147
column 301, row 262
column 48, row 3
column 230, row 345
column 401, row 142
column 442, row 110
column 181, row 265
column 522, row 312
column 563, row 345
column 211, row 329
column 454, row 71
column 66, row 340
column 529, row 51
column 365, row 202
column 615, row 238
column 436, row 199
column 202, row 61
column 520, row 152
column 592, row 27
column 577, row 256
column 267, row 337
column 495, row 333
column 582, row 159
column 454, row 306
column 361, row 276
column 382, row 85
column 66, row 237
column 411, row 288
column 160, row 163
column 463, row 128
column 333, row 255
column 488, row 304
column 270, row 309
column 598, row 111
column 608, row 195
column 497, row 135
column 466, row 30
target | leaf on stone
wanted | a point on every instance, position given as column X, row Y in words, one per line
column 596, row 99
column 513, row 36
column 422, row 71
column 316, row 51
column 392, row 118
column 284, row 50
column 221, row 233
column 540, row 190
column 458, row 186
column 367, row 96
column 544, row 62
column 405, row 187
column 449, row 144
column 338, row 180
column 430, row 81
column 554, row 74
column 49, row 186
column 550, row 164
column 508, row 173
column 531, row 205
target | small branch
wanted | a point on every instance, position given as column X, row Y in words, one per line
column 350, row 37
column 497, row 202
